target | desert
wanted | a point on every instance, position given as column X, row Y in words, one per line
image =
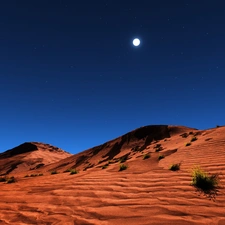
column 91, row 187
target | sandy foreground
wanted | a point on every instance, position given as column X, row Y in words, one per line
column 147, row 192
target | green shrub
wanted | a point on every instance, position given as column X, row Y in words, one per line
column 73, row 172
column 67, row 171
column 33, row 175
column 26, row 175
column 194, row 139
column 161, row 157
column 123, row 167
column 146, row 156
column 175, row 167
column 40, row 174
column 188, row 144
column 204, row 181
column 54, row 172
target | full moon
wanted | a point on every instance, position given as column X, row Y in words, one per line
column 136, row 42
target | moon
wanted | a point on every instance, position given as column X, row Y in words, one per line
column 136, row 42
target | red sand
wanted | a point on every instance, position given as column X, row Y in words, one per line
column 146, row 193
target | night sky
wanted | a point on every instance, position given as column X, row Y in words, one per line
column 71, row 77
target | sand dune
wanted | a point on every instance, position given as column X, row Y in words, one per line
column 147, row 192
column 29, row 156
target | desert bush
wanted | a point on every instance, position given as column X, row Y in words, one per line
column 40, row 174
column 159, row 149
column 194, row 139
column 123, row 159
column 54, row 172
column 146, row 156
column 204, row 181
column 26, row 175
column 123, row 167
column 73, row 172
column 161, row 157
column 10, row 180
column 2, row 179
column 67, row 171
column 184, row 135
column 175, row 167
column 188, row 144
column 105, row 166
column 33, row 175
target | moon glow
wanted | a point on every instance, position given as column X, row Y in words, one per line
column 136, row 42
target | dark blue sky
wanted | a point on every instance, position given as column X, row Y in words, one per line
column 71, row 77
